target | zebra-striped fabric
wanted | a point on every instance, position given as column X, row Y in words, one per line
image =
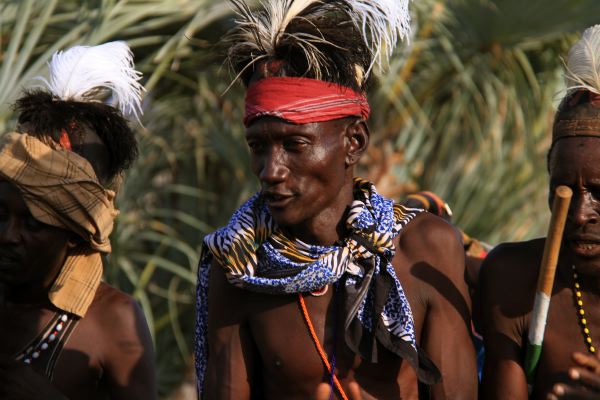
column 257, row 256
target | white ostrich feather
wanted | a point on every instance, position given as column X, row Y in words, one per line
column 283, row 12
column 583, row 64
column 84, row 73
column 382, row 23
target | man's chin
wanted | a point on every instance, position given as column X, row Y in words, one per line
column 285, row 217
column 587, row 265
column 282, row 220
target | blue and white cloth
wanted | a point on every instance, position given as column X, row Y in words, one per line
column 257, row 256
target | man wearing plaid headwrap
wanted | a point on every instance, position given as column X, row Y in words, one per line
column 65, row 333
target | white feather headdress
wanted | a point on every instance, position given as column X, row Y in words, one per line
column 85, row 73
column 380, row 24
column 383, row 22
column 583, row 64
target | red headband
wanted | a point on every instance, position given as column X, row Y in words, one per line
column 303, row 100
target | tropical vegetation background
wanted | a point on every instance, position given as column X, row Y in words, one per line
column 465, row 111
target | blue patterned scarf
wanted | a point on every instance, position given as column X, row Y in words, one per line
column 257, row 256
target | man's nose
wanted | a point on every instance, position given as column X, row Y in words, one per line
column 273, row 169
column 584, row 209
column 10, row 233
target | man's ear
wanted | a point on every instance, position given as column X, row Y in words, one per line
column 357, row 141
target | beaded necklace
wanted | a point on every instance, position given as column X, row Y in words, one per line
column 581, row 313
column 39, row 344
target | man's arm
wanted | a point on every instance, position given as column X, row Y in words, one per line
column 500, row 291
column 128, row 355
column 446, row 332
column 230, row 347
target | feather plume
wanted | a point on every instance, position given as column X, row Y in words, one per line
column 87, row 73
column 324, row 33
column 383, row 23
column 583, row 64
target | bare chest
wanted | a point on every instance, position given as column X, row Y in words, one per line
column 71, row 362
column 564, row 336
column 80, row 362
column 289, row 350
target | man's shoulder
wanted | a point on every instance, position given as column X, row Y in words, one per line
column 109, row 296
column 531, row 247
column 429, row 239
column 509, row 261
column 426, row 227
column 113, row 308
column 429, row 253
column 507, row 281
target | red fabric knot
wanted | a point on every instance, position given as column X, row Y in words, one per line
column 64, row 140
column 303, row 100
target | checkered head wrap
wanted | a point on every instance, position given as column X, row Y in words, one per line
column 61, row 189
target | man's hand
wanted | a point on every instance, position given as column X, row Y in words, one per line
column 353, row 391
column 585, row 380
column 19, row 381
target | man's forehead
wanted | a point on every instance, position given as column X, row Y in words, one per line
column 583, row 144
column 577, row 116
column 277, row 126
column 9, row 192
column 575, row 153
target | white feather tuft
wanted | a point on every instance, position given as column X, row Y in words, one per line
column 583, row 65
column 84, row 73
column 383, row 23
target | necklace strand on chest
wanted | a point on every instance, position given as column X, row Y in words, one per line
column 585, row 330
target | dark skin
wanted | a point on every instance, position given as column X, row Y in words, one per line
column 585, row 380
column 506, row 312
column 109, row 354
column 259, row 344
column 472, row 258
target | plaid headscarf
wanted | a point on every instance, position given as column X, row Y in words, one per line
column 61, row 189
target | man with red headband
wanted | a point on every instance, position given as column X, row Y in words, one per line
column 568, row 366
column 319, row 286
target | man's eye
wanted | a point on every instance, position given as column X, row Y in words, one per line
column 3, row 220
column 33, row 224
column 295, row 144
column 595, row 192
column 255, row 147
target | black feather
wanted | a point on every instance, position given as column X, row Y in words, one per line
column 46, row 116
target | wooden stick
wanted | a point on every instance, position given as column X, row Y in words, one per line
column 539, row 315
column 560, row 208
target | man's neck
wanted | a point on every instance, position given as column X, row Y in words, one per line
column 329, row 226
column 321, row 232
column 25, row 298
column 588, row 274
